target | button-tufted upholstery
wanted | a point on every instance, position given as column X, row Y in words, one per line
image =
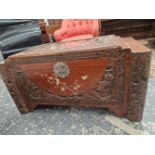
column 78, row 28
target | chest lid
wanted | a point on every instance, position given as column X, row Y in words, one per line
column 85, row 45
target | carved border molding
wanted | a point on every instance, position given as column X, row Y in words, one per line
column 114, row 52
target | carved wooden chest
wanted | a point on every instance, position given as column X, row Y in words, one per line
column 108, row 72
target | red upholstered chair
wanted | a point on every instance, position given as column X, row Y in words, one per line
column 75, row 29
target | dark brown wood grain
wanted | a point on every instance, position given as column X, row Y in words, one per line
column 136, row 28
column 107, row 72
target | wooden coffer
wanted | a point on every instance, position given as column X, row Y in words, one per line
column 108, row 72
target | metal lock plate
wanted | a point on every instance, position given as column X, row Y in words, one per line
column 61, row 69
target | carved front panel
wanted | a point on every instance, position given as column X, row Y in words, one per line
column 98, row 79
